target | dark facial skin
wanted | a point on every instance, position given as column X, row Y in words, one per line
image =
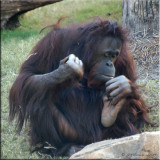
column 103, row 71
column 103, row 61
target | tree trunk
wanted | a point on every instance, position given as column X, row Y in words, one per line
column 141, row 16
column 11, row 9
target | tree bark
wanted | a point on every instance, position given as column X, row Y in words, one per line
column 141, row 16
column 11, row 9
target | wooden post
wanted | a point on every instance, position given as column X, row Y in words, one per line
column 141, row 16
column 11, row 9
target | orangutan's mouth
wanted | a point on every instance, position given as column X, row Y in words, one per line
column 107, row 76
column 103, row 78
column 98, row 80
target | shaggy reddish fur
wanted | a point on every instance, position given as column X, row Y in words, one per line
column 78, row 103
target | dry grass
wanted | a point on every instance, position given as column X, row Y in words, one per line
column 145, row 51
column 146, row 54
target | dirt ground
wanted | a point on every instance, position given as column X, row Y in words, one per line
column 145, row 51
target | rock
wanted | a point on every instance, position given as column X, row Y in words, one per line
column 11, row 9
column 140, row 146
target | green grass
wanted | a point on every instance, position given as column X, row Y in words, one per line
column 18, row 34
column 14, row 51
column 150, row 92
column 16, row 45
column 77, row 10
